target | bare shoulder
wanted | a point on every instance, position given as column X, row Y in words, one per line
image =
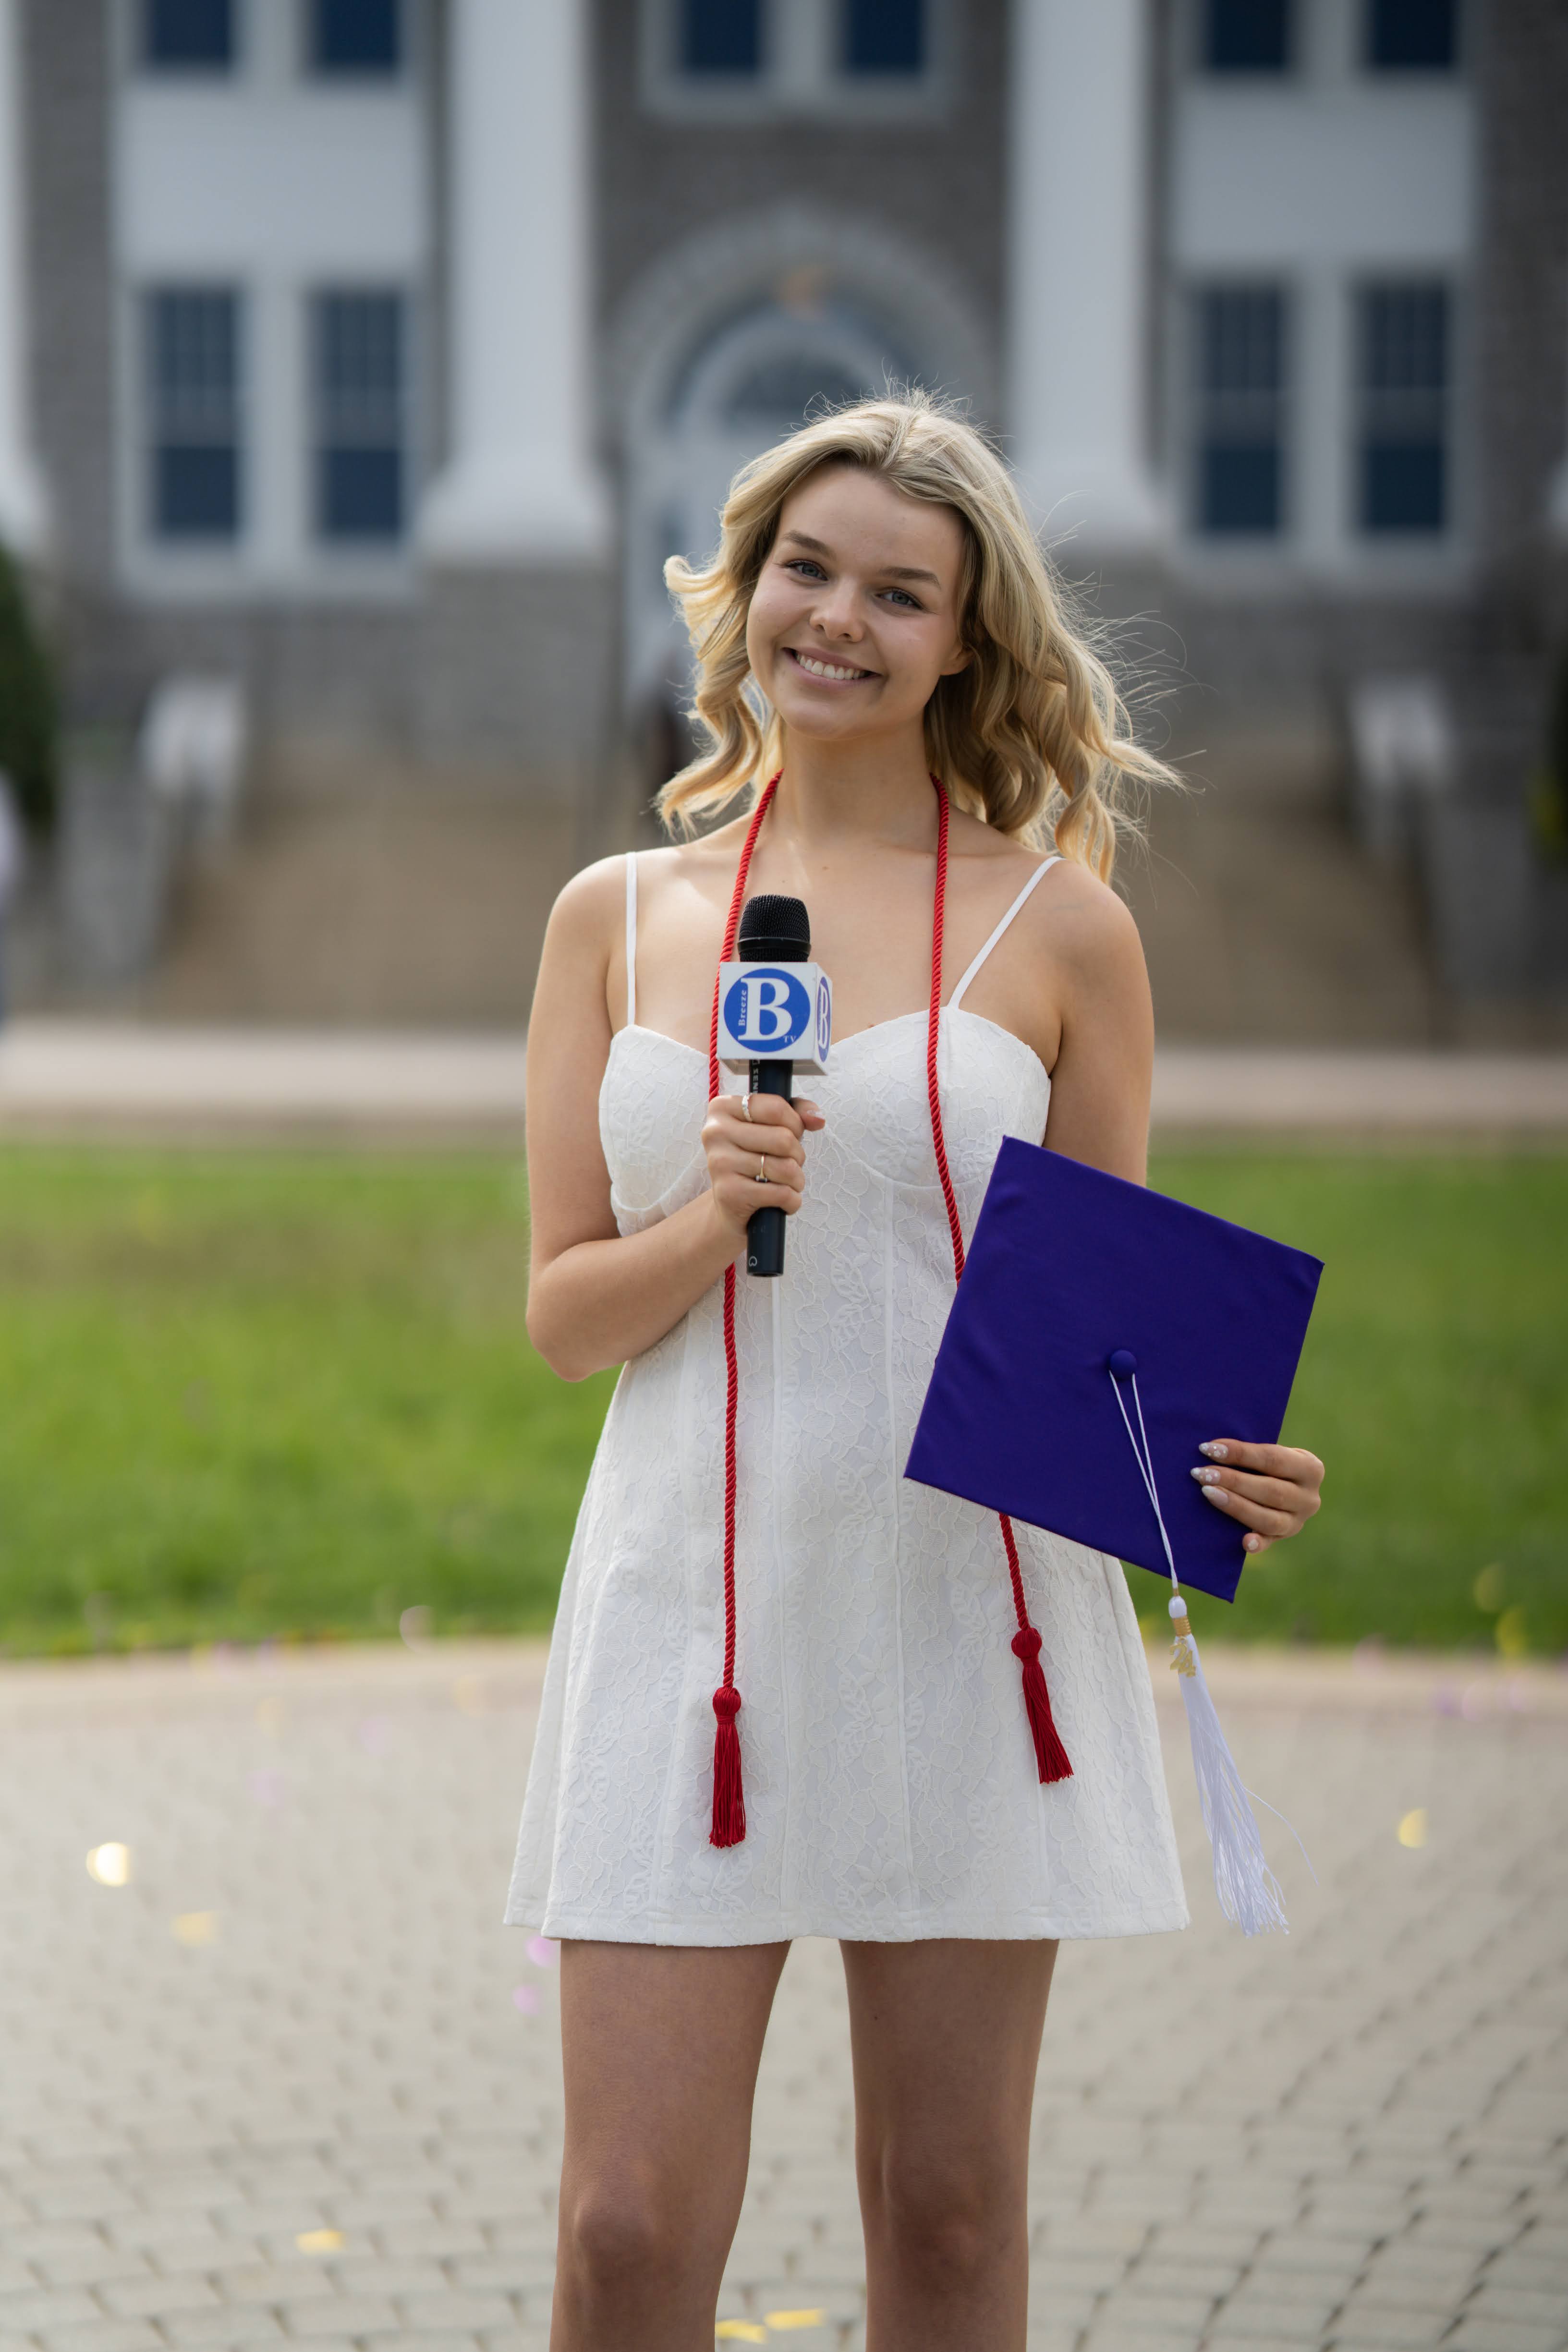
column 1078, row 921
column 588, row 907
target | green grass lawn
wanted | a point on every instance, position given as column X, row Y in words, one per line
column 251, row 1394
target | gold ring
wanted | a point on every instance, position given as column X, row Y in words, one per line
column 761, row 1174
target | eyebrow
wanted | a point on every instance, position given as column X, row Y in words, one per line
column 889, row 570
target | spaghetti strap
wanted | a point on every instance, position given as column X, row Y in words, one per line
column 1038, row 875
column 631, row 939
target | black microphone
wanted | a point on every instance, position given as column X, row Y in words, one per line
column 772, row 930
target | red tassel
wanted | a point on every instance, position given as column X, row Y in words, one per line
column 1050, row 1753
column 729, row 1800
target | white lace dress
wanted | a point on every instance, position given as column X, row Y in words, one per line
column 891, row 1791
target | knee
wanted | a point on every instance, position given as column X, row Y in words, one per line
column 620, row 2233
column 949, row 2228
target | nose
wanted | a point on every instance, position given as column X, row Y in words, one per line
column 837, row 612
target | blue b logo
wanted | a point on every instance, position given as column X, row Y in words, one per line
column 767, row 1012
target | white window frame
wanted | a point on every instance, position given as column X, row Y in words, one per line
column 801, row 76
column 380, row 555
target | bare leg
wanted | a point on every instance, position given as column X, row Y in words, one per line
column 946, row 2038
column 662, row 2048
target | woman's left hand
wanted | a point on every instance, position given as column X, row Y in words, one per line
column 1271, row 1490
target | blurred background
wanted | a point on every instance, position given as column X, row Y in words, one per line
column 362, row 361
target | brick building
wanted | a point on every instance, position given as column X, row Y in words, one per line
column 379, row 351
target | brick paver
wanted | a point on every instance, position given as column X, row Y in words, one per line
column 330, row 2113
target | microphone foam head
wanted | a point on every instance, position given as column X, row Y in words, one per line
column 774, row 930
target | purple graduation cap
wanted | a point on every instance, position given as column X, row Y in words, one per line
column 1100, row 1334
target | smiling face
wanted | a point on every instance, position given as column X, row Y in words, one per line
column 855, row 615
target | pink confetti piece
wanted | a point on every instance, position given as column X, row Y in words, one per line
column 526, row 1999
column 543, row 1951
column 265, row 1786
column 1446, row 1699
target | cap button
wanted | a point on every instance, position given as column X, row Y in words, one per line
column 1123, row 1364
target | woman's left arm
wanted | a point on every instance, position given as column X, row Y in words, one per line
column 1100, row 1113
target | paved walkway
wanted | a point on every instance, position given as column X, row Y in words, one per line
column 63, row 1078
column 292, row 2081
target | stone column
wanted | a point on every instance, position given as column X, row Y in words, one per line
column 520, row 485
column 1079, row 281
column 21, row 489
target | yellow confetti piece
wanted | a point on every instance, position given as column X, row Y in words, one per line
column 319, row 2242
column 110, row 1865
column 746, row 2330
column 1412, row 1827
column 469, row 1695
column 1513, row 1636
column 193, row 1927
column 782, row 2319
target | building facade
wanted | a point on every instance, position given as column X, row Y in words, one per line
column 380, row 351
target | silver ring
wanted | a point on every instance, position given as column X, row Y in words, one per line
column 762, row 1175
column 746, row 1107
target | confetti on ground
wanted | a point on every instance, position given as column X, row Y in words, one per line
column 375, row 1735
column 746, row 2330
column 526, row 1999
column 110, row 1865
column 783, row 2319
column 265, row 1786
column 470, row 1694
column 319, row 2242
column 193, row 1927
column 543, row 1951
column 1412, row 1827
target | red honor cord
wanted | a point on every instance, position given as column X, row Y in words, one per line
column 728, row 1824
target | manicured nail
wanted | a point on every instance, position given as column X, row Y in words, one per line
column 1215, row 1493
column 1253, row 1543
column 1205, row 1478
column 1213, row 1447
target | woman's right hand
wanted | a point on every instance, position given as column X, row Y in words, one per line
column 738, row 1149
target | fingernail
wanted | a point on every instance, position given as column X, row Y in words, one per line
column 1253, row 1543
column 1214, row 1493
column 1213, row 1448
column 1204, row 1477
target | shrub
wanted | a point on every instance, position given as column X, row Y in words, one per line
column 29, row 714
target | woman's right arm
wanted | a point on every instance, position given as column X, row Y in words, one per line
column 595, row 1297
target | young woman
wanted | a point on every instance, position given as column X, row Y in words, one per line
column 878, row 630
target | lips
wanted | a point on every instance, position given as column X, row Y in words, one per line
column 832, row 673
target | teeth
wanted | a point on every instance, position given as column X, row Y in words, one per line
column 826, row 669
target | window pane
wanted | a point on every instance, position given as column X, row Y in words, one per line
column 188, row 33
column 1247, row 37
column 1413, row 33
column 721, row 36
column 193, row 406
column 1240, row 388
column 360, row 416
column 1405, row 376
column 884, row 36
column 357, row 37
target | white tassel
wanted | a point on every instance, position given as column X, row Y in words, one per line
column 1249, row 1893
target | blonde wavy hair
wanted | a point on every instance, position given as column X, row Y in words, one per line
column 1032, row 735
